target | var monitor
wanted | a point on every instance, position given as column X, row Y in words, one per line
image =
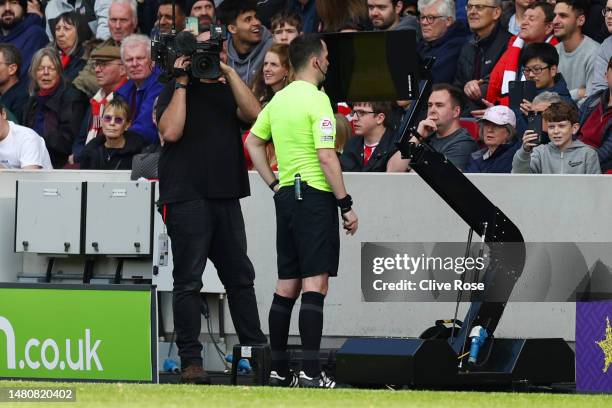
column 372, row 66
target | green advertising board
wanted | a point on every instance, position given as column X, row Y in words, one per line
column 78, row 332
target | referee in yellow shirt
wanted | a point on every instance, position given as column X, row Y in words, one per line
column 300, row 120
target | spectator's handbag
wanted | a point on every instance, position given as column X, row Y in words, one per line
column 145, row 164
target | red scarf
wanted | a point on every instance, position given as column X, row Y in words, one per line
column 514, row 52
column 65, row 59
column 48, row 92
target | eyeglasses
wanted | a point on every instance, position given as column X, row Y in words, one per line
column 118, row 120
column 103, row 64
column 44, row 68
column 606, row 11
column 361, row 113
column 535, row 70
column 477, row 7
column 429, row 19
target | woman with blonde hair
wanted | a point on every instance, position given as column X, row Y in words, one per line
column 274, row 75
column 115, row 148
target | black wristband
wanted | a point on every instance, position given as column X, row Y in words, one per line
column 178, row 85
column 345, row 210
column 273, row 184
column 345, row 204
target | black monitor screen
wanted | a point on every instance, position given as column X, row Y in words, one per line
column 372, row 66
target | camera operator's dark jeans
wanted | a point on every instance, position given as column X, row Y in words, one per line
column 213, row 229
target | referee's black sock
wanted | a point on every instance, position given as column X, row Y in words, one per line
column 279, row 320
column 311, row 330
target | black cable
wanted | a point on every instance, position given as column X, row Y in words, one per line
column 171, row 343
column 219, row 351
column 206, row 313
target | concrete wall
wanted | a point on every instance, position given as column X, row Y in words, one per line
column 398, row 208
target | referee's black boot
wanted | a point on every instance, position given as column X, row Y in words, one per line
column 290, row 380
column 194, row 374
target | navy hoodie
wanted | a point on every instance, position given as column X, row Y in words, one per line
column 28, row 36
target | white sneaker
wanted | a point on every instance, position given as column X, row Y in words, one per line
column 320, row 381
column 290, row 381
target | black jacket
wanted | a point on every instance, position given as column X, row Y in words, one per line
column 491, row 49
column 15, row 99
column 446, row 50
column 352, row 156
column 95, row 156
column 63, row 114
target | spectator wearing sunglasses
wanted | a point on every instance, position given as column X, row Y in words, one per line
column 115, row 148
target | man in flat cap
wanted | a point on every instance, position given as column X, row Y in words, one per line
column 110, row 76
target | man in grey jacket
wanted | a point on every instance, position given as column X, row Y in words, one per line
column 562, row 155
column 249, row 39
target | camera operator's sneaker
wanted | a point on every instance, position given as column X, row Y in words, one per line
column 320, row 381
column 291, row 380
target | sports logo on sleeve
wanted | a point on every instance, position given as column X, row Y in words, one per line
column 327, row 128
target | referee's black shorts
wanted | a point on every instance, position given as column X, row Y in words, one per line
column 307, row 233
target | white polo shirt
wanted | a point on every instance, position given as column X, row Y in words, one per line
column 23, row 147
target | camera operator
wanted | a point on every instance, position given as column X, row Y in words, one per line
column 203, row 175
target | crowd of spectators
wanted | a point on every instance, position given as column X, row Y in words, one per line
column 79, row 75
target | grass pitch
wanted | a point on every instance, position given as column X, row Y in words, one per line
column 184, row 396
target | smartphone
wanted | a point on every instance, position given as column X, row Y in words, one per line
column 534, row 122
column 519, row 90
column 193, row 24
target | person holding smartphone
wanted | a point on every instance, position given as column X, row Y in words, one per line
column 562, row 155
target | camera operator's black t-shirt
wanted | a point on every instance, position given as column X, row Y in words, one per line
column 208, row 161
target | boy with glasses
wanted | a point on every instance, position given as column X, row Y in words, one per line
column 539, row 63
column 373, row 144
column 562, row 155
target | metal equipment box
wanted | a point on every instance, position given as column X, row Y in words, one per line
column 118, row 218
column 48, row 217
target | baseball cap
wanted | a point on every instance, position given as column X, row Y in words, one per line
column 500, row 115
